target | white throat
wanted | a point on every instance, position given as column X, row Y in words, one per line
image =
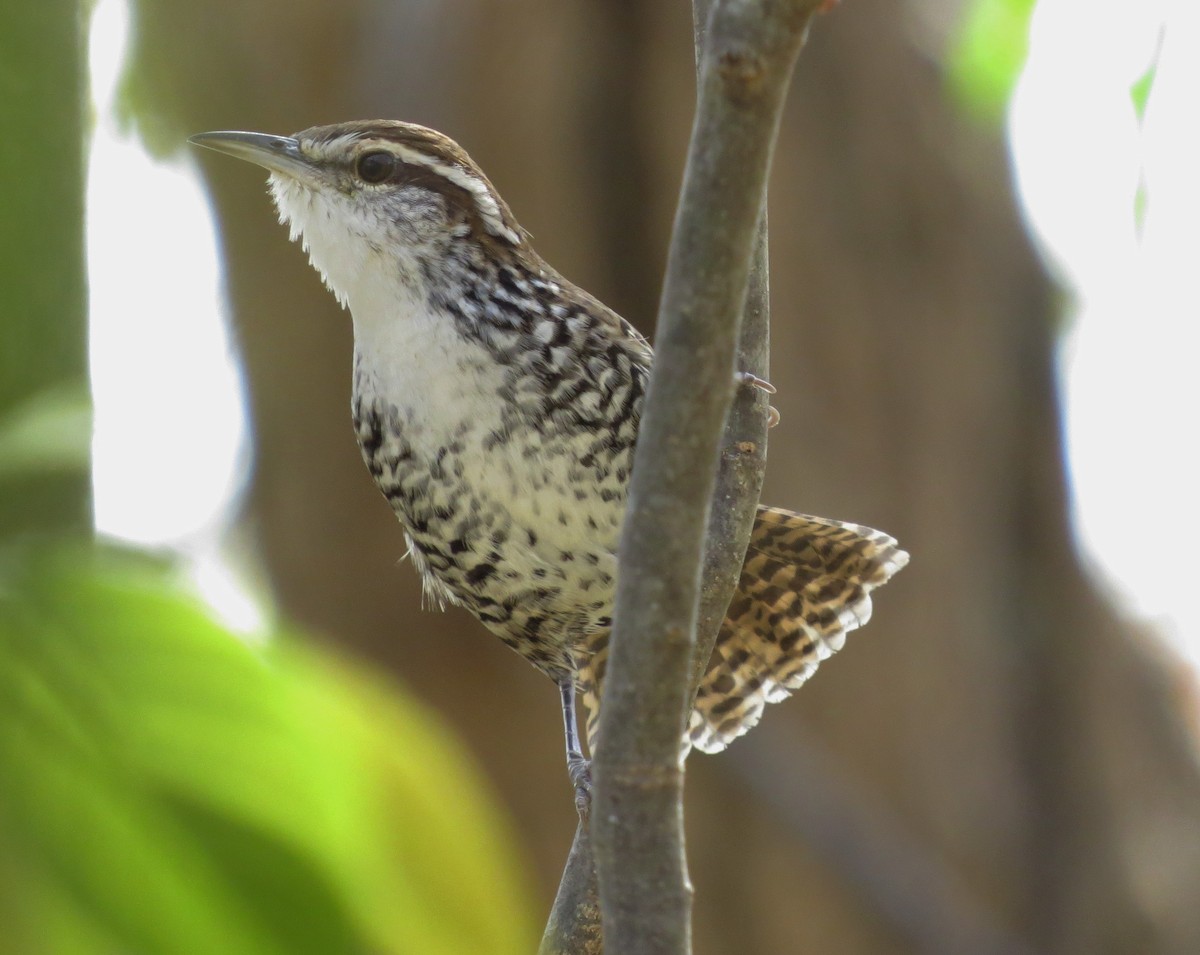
column 409, row 355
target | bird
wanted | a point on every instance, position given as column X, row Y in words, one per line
column 497, row 404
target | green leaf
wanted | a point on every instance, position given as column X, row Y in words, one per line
column 987, row 55
column 169, row 789
column 1141, row 88
column 1141, row 200
column 52, row 431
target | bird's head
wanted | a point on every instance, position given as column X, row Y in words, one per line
column 378, row 194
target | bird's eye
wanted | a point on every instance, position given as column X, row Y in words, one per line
column 375, row 166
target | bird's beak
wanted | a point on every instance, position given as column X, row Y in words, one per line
column 279, row 154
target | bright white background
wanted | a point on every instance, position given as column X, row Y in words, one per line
column 171, row 442
column 1131, row 378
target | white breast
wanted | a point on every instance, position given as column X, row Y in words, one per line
column 445, row 389
column 408, row 355
column 414, row 359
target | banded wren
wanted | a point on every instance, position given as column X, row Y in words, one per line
column 497, row 406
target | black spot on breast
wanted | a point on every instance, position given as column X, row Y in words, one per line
column 480, row 572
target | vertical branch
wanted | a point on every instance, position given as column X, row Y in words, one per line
column 637, row 815
column 742, row 465
column 743, row 457
column 574, row 924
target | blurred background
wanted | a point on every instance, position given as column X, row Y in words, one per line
column 217, row 724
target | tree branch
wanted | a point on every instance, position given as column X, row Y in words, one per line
column 742, row 465
column 743, row 462
column 637, row 803
column 574, row 924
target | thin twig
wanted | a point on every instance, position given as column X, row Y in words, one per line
column 637, row 818
column 574, row 924
column 743, row 462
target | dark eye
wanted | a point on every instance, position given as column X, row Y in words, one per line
column 375, row 166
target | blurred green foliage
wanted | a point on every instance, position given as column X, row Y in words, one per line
column 43, row 334
column 1139, row 92
column 987, row 54
column 165, row 787
column 169, row 789
column 48, row 433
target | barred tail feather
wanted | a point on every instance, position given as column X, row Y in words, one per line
column 806, row 583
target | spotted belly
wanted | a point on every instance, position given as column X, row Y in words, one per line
column 523, row 535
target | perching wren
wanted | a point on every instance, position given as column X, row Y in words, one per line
column 497, row 406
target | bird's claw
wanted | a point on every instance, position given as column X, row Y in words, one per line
column 580, row 770
column 761, row 384
column 747, row 378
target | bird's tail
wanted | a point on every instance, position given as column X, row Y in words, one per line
column 805, row 584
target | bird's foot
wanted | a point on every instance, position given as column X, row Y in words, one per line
column 746, row 378
column 580, row 770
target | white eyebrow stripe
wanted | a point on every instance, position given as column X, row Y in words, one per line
column 485, row 202
column 332, row 148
